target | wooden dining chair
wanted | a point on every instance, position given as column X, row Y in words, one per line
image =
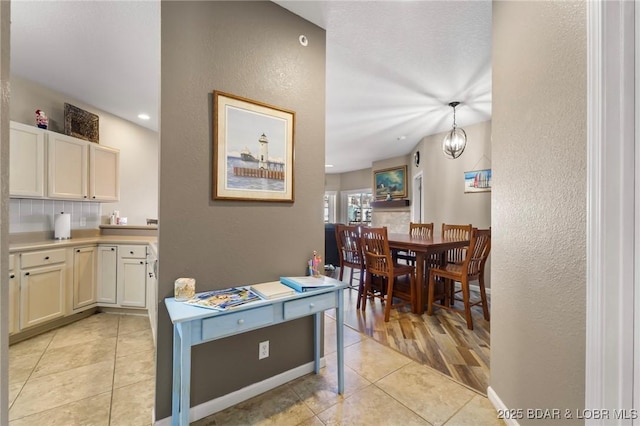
column 423, row 230
column 348, row 241
column 456, row 232
column 471, row 269
column 379, row 264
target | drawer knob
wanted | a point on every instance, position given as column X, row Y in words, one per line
column 113, row 249
column 46, row 258
column 12, row 276
column 27, row 273
column 131, row 252
column 141, row 262
column 240, row 321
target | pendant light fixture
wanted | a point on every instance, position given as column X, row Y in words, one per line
column 456, row 140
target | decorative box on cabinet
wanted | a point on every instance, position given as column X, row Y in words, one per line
column 27, row 152
column 42, row 282
column 84, row 277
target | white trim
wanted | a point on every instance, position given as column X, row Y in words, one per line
column 418, row 198
column 610, row 206
column 500, row 406
column 215, row 405
column 636, row 345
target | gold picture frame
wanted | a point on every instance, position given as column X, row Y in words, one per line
column 390, row 183
column 253, row 150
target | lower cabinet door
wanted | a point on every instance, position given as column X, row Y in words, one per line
column 132, row 289
column 84, row 277
column 41, row 295
column 107, row 282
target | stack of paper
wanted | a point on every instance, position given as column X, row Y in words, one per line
column 309, row 283
column 272, row 290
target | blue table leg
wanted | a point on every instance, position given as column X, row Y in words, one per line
column 185, row 373
column 175, row 396
column 317, row 335
column 340, row 340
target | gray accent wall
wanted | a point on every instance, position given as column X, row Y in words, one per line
column 539, row 205
column 249, row 49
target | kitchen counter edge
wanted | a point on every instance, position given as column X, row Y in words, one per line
column 74, row 242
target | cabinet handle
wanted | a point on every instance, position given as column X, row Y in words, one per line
column 27, row 273
column 241, row 321
column 84, row 196
column 131, row 252
column 93, row 197
column 12, row 276
column 46, row 258
column 78, row 251
column 113, row 249
column 141, row 262
column 150, row 275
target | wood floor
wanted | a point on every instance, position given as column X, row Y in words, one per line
column 441, row 341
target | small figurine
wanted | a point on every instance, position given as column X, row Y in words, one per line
column 316, row 264
column 41, row 119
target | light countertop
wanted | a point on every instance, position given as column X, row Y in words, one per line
column 74, row 242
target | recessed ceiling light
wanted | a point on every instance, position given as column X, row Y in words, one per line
column 328, row 165
column 143, row 116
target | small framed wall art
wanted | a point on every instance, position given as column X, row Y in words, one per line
column 477, row 181
column 252, row 150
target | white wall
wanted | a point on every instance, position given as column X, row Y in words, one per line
column 138, row 150
column 539, row 147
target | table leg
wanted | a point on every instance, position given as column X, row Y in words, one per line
column 317, row 333
column 175, row 396
column 185, row 373
column 340, row 340
column 420, row 283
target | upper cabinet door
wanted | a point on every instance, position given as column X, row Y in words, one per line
column 104, row 173
column 68, row 160
column 26, row 176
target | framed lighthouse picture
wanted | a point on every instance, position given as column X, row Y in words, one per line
column 252, row 150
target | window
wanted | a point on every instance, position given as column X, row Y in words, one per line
column 330, row 207
column 357, row 206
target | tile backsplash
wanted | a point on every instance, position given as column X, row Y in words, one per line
column 26, row 215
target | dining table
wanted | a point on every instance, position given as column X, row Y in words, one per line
column 425, row 249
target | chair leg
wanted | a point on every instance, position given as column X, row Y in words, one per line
column 341, row 272
column 366, row 287
column 467, row 304
column 351, row 276
column 483, row 296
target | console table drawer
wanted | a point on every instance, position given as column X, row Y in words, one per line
column 309, row 305
column 237, row 322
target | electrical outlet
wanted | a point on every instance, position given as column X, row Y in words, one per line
column 263, row 350
column 83, row 221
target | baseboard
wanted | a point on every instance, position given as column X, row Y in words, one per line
column 213, row 406
column 500, row 407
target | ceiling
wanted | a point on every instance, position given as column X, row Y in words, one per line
column 392, row 66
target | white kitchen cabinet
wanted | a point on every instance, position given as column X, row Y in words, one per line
column 14, row 296
column 27, row 152
column 104, row 173
column 84, row 277
column 107, row 268
column 42, row 283
column 81, row 170
column 68, row 167
column 131, row 276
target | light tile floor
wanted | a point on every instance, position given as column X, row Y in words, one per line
column 100, row 371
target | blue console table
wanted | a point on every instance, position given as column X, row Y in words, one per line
column 193, row 325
